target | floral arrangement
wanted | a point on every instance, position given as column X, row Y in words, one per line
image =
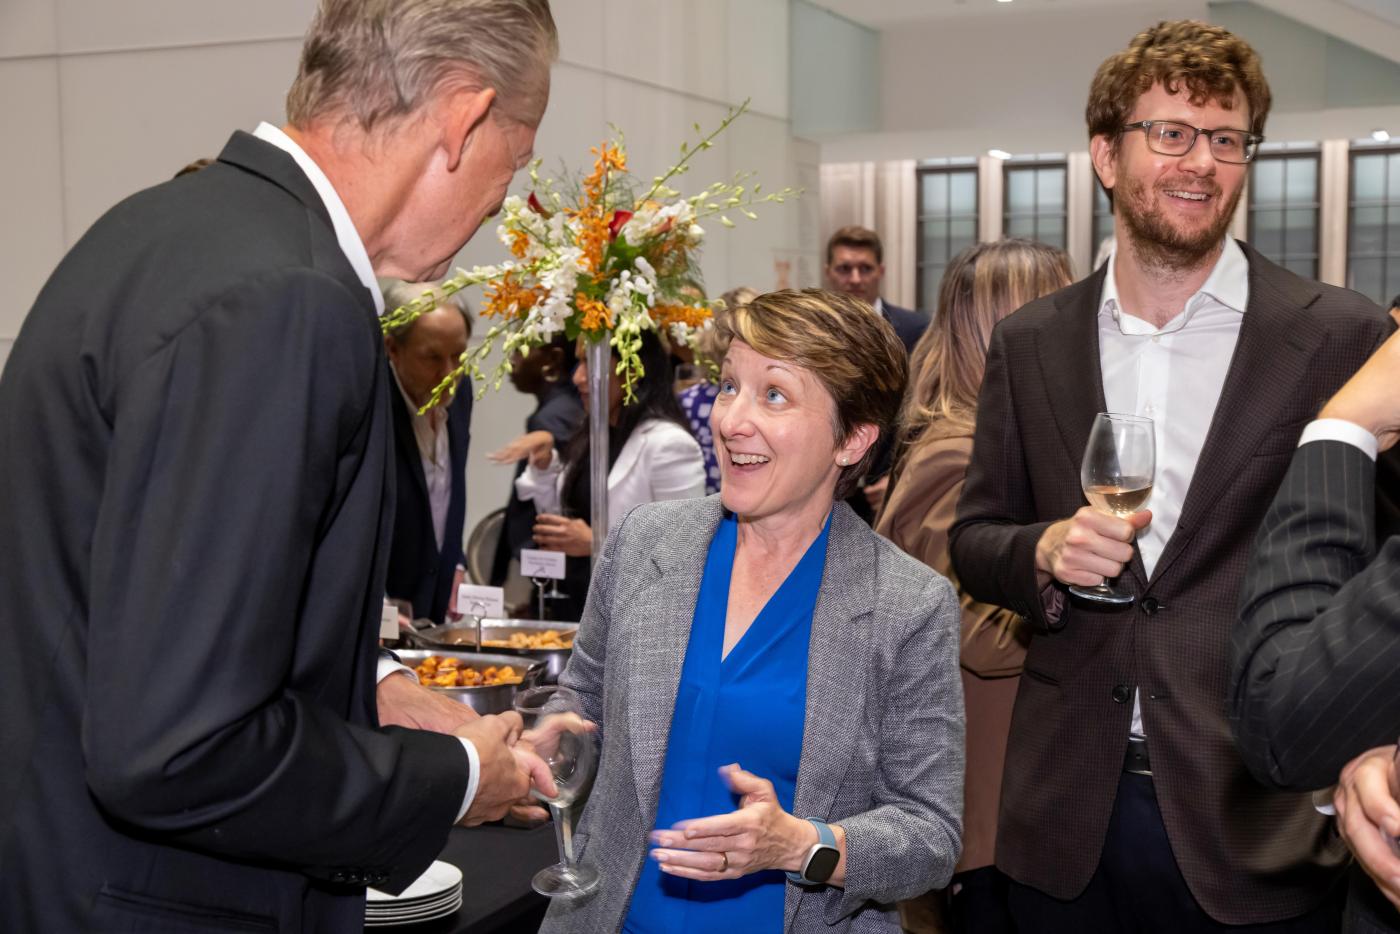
column 594, row 257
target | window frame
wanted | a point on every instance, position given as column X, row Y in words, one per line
column 949, row 167
column 1034, row 164
column 1390, row 253
column 1252, row 207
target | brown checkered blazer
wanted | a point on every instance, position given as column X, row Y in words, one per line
column 1248, row 854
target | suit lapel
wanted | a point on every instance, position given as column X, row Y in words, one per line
column 1069, row 363
column 1277, row 340
column 837, row 663
column 658, row 620
column 407, row 441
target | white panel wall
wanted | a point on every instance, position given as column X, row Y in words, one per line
column 104, row 98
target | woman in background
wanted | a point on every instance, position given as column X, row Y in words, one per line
column 699, row 399
column 547, row 374
column 982, row 285
column 651, row 457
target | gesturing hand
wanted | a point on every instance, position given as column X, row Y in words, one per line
column 1369, row 399
column 535, row 445
column 1088, row 547
column 759, row 835
column 1368, row 816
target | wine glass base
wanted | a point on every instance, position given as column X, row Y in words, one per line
column 1102, row 595
column 562, row 881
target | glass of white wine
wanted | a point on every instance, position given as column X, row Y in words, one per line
column 1119, row 464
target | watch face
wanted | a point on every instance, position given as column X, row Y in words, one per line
column 822, row 863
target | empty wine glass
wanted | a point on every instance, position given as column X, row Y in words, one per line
column 1119, row 464
column 566, row 742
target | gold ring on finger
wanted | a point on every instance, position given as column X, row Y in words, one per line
column 724, row 867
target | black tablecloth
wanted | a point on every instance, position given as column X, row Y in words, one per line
column 497, row 863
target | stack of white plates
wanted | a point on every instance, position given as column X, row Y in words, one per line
column 437, row 893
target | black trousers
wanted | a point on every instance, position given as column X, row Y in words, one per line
column 1138, row 889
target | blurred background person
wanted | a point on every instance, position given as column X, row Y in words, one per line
column 547, row 374
column 812, row 647
column 651, row 456
column 855, row 265
column 430, row 450
column 982, row 285
column 697, row 399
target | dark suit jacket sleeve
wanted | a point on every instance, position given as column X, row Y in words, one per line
column 230, row 437
column 1313, row 676
column 993, row 540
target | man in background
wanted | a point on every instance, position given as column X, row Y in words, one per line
column 430, row 450
column 855, row 264
column 195, row 453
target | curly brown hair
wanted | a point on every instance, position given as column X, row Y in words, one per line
column 1209, row 61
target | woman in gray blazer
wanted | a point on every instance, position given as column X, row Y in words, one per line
column 775, row 686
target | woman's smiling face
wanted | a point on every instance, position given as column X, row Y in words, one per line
column 774, row 428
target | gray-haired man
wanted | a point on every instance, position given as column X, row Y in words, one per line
column 194, row 452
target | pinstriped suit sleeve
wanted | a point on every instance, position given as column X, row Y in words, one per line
column 1315, row 656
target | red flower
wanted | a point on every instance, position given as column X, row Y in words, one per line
column 619, row 218
column 535, row 206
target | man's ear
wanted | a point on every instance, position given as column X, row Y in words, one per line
column 460, row 112
column 1104, row 156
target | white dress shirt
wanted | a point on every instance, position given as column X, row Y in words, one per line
column 1172, row 375
column 430, row 431
column 354, row 249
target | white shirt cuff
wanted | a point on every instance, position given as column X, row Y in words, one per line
column 1322, row 801
column 387, row 666
column 472, row 779
column 1339, row 429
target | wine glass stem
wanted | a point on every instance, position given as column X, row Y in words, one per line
column 563, row 833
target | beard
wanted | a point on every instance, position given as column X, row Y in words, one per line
column 1155, row 239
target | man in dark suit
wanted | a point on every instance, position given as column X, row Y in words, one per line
column 1314, row 678
column 430, row 452
column 1125, row 805
column 195, row 468
column 855, row 264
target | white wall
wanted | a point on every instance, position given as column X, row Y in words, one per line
column 101, row 99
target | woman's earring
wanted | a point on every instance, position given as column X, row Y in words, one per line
column 844, row 460
column 549, row 373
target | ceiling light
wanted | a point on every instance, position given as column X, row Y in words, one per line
column 998, row 153
column 1003, row 1
column 1380, row 136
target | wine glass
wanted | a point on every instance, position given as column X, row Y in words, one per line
column 1119, row 463
column 566, row 743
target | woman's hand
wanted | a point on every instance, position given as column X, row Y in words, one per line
column 574, row 537
column 1368, row 816
column 536, row 445
column 758, row 836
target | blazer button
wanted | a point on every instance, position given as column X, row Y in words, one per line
column 1121, row 693
column 1150, row 605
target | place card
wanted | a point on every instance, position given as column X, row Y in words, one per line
column 389, row 621
column 481, row 601
column 537, row 563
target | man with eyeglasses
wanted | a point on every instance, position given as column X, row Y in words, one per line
column 1125, row 804
column 855, row 264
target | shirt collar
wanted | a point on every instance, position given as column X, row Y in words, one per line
column 1228, row 282
column 345, row 233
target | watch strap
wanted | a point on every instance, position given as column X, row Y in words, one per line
column 825, row 837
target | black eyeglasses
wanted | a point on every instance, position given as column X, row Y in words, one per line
column 1170, row 138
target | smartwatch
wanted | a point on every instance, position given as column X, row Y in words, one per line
column 821, row 858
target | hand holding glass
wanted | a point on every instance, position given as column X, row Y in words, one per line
column 1120, row 462
column 566, row 742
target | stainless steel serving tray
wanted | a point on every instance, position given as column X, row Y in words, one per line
column 496, row 698
column 455, row 635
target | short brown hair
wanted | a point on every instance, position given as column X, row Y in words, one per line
column 375, row 61
column 850, row 349
column 855, row 237
column 1210, row 62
